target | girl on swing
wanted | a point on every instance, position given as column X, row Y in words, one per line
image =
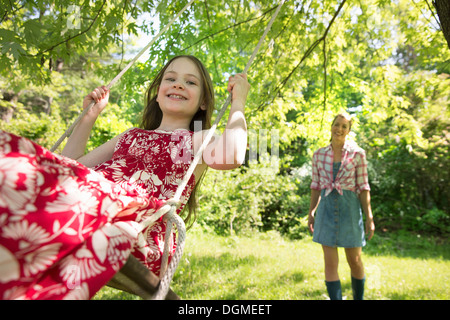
column 68, row 223
column 339, row 189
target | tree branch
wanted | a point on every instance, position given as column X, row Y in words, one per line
column 305, row 55
column 11, row 5
column 229, row 27
column 69, row 38
column 432, row 13
column 443, row 11
column 324, row 82
column 283, row 29
column 210, row 27
column 122, row 45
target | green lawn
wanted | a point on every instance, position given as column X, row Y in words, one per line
column 268, row 266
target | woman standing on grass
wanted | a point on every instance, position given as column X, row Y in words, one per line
column 339, row 189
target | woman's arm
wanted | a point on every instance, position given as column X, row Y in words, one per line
column 228, row 150
column 76, row 144
column 364, row 197
column 362, row 185
column 315, row 198
column 315, row 192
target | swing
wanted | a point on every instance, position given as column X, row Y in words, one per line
column 134, row 277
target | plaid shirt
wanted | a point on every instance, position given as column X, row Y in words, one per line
column 352, row 173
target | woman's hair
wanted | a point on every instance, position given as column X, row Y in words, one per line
column 346, row 116
column 152, row 117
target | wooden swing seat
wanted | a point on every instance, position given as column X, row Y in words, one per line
column 136, row 279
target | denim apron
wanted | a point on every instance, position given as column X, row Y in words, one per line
column 338, row 219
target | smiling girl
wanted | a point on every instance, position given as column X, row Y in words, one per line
column 339, row 189
column 68, row 223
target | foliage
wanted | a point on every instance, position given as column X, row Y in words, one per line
column 108, row 126
column 386, row 62
column 255, row 197
column 41, row 128
column 409, row 148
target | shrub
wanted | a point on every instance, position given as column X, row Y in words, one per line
column 254, row 197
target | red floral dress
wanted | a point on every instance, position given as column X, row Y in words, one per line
column 65, row 229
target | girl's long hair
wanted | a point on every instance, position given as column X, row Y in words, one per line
column 152, row 117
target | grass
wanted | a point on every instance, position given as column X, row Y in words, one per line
column 269, row 267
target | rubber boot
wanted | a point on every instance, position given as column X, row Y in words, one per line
column 358, row 288
column 334, row 289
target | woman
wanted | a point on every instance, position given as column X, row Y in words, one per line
column 339, row 190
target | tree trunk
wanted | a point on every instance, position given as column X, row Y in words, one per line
column 443, row 11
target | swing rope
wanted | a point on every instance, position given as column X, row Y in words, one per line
column 169, row 209
column 121, row 73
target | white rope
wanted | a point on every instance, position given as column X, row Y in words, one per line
column 171, row 216
column 172, row 219
column 69, row 130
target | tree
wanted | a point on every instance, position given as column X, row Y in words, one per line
column 443, row 11
column 319, row 58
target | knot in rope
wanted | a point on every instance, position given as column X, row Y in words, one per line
column 173, row 202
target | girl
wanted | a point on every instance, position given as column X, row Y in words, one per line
column 339, row 189
column 68, row 223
